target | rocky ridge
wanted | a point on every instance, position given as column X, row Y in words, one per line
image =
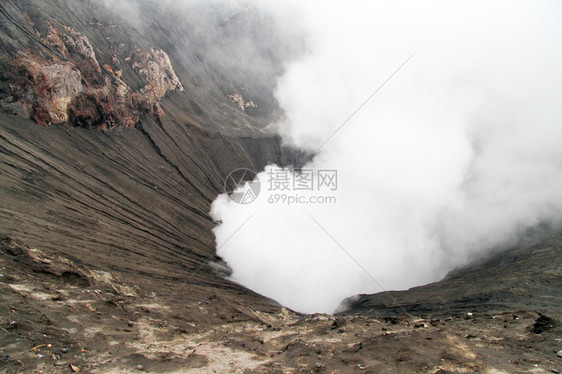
column 78, row 63
column 63, row 82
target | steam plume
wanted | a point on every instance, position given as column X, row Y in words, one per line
column 456, row 154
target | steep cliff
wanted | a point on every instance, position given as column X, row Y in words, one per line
column 135, row 142
column 138, row 128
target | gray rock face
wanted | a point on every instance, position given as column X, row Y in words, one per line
column 85, row 64
column 133, row 200
column 526, row 275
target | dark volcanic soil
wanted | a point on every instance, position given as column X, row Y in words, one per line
column 527, row 276
column 58, row 316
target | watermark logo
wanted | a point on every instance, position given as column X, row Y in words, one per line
column 285, row 185
column 242, row 186
column 302, row 179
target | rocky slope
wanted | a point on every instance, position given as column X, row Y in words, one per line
column 142, row 191
column 87, row 64
column 117, row 131
column 58, row 315
column 527, row 275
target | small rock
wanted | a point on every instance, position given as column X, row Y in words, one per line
column 468, row 315
column 542, row 324
column 555, row 371
column 338, row 322
column 319, row 366
column 130, row 323
column 75, row 369
column 140, row 367
column 37, row 347
column 419, row 325
column 559, row 353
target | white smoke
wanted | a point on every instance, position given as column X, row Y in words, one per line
column 456, row 154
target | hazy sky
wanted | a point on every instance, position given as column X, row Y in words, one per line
column 457, row 153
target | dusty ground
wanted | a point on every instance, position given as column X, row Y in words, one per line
column 57, row 316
